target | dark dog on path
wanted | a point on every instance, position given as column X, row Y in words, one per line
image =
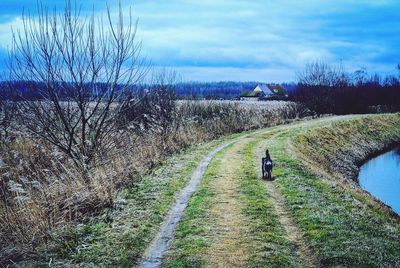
column 267, row 165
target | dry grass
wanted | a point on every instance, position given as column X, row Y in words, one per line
column 41, row 190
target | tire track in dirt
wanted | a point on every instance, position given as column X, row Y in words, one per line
column 154, row 254
column 229, row 225
column 293, row 232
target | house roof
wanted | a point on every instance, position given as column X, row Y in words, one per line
column 252, row 93
column 277, row 89
column 261, row 87
column 263, row 90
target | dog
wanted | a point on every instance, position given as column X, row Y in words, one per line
column 267, row 166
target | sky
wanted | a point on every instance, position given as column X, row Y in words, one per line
column 257, row 40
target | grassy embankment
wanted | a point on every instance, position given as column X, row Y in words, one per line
column 342, row 223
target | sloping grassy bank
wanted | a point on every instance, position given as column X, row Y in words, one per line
column 343, row 225
column 342, row 147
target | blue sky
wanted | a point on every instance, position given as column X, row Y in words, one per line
column 263, row 40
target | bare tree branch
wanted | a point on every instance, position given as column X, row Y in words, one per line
column 85, row 66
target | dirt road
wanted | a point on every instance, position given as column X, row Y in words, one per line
column 227, row 216
column 231, row 239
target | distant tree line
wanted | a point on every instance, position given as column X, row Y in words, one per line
column 32, row 90
column 212, row 90
column 327, row 89
column 36, row 90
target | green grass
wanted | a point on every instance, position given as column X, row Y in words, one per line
column 270, row 246
column 341, row 147
column 265, row 238
column 190, row 242
column 341, row 227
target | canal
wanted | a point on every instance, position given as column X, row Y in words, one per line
column 381, row 177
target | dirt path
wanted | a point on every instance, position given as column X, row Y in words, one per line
column 229, row 226
column 230, row 229
column 293, row 233
column 154, row 254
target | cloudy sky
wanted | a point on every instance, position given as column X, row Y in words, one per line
column 257, row 40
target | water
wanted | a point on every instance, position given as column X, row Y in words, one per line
column 381, row 177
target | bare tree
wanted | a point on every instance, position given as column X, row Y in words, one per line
column 360, row 77
column 323, row 75
column 153, row 109
column 84, row 65
column 318, row 84
column 163, row 99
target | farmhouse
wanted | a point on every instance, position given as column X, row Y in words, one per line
column 264, row 92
